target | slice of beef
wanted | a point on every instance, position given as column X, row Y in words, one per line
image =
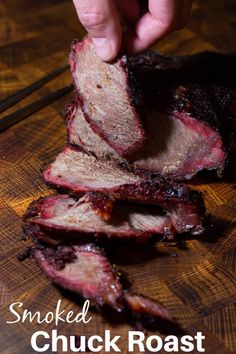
column 79, row 173
column 198, row 94
column 62, row 217
column 81, row 134
column 184, row 147
column 109, row 97
column 190, row 115
column 179, row 151
column 85, row 270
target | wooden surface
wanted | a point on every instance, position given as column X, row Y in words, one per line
column 195, row 281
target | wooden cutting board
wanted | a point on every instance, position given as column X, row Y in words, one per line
column 194, row 280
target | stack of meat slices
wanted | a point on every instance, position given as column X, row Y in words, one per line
column 134, row 130
column 188, row 115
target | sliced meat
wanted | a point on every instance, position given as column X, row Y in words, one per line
column 109, row 97
column 85, row 270
column 184, row 147
column 82, row 220
column 197, row 94
column 79, row 173
column 180, row 151
column 81, row 134
column 190, row 115
column 63, row 217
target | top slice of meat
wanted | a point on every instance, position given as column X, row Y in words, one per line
column 109, row 97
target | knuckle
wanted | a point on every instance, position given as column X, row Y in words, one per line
column 93, row 19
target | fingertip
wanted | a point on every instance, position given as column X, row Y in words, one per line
column 104, row 48
column 101, row 20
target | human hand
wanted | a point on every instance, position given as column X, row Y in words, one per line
column 147, row 22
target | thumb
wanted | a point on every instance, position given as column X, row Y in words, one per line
column 100, row 19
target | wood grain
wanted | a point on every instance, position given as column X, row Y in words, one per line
column 195, row 280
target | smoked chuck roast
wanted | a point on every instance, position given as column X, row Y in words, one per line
column 138, row 123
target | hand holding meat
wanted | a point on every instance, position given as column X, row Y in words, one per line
column 147, row 22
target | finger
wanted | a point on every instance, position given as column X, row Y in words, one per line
column 100, row 19
column 161, row 19
column 130, row 10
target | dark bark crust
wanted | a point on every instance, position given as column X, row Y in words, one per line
column 202, row 85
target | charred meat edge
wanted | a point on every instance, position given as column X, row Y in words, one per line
column 58, row 262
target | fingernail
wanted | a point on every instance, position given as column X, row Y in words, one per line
column 103, row 48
